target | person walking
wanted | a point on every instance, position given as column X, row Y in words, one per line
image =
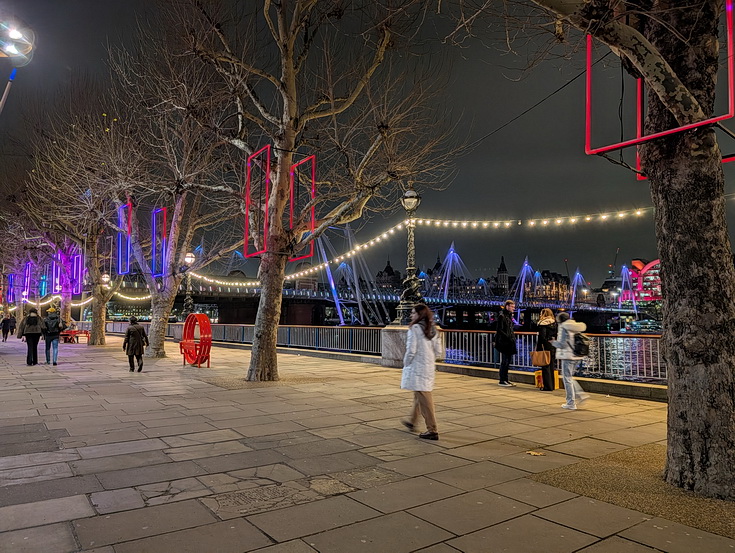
column 5, row 326
column 423, row 348
column 12, row 324
column 52, row 326
column 564, row 343
column 135, row 343
column 505, row 341
column 29, row 331
column 547, row 329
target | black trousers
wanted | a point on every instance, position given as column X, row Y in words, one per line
column 5, row 334
column 139, row 358
column 504, row 366
column 32, row 343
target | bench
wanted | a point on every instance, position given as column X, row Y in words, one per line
column 72, row 336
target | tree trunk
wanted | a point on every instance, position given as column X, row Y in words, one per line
column 97, row 335
column 698, row 277
column 65, row 308
column 263, row 358
column 161, row 306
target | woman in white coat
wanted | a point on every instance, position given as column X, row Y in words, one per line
column 568, row 327
column 423, row 348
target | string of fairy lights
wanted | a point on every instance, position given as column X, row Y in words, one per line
column 538, row 222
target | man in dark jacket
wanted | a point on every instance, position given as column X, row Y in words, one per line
column 505, row 341
column 135, row 343
column 30, row 332
column 52, row 326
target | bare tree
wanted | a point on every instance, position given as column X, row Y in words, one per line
column 183, row 167
column 674, row 47
column 316, row 77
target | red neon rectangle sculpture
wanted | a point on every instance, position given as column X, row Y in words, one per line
column 263, row 194
column 158, row 246
column 124, row 219
column 640, row 138
column 312, row 196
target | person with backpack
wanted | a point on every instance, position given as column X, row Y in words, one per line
column 52, row 326
column 29, row 332
column 571, row 347
column 135, row 343
column 505, row 341
column 423, row 348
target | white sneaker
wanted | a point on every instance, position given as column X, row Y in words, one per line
column 505, row 384
column 570, row 407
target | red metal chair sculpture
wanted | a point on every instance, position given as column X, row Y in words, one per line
column 196, row 353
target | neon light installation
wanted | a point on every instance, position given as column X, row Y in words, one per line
column 124, row 221
column 262, row 189
column 55, row 277
column 77, row 272
column 10, row 294
column 640, row 138
column 27, row 280
column 295, row 197
column 158, row 242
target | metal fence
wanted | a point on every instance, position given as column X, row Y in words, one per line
column 612, row 356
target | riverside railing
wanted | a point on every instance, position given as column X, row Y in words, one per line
column 612, row 356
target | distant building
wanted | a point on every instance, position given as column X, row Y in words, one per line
column 389, row 278
column 646, row 279
column 502, row 277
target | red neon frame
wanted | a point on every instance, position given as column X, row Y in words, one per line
column 292, row 172
column 267, row 149
column 640, row 138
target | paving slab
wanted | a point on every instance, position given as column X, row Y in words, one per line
column 318, row 516
column 116, row 500
column 526, row 534
column 477, row 475
column 55, row 537
column 120, row 448
column 471, row 511
column 533, row 493
column 592, row 516
column 148, row 475
column 234, row 536
column 294, row 546
column 394, row 533
column 119, row 462
column 41, row 513
column 49, row 489
column 402, row 495
column 140, row 523
column 616, row 544
column 671, row 537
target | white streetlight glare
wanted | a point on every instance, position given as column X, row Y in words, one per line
column 11, row 49
column 15, row 34
column 105, row 278
column 189, row 258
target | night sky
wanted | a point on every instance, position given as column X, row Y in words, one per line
column 534, row 168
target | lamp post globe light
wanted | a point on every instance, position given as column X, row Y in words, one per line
column 411, row 294
column 105, row 279
column 188, row 300
column 16, row 44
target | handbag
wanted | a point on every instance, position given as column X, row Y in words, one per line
column 540, row 358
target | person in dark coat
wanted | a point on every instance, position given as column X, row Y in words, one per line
column 12, row 324
column 136, row 340
column 52, row 327
column 546, row 333
column 30, row 332
column 505, row 341
column 5, row 327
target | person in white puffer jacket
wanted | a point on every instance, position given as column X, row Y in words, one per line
column 568, row 327
column 423, row 348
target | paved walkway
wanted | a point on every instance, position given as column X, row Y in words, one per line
column 97, row 459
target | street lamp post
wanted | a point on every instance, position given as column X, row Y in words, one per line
column 188, row 300
column 411, row 294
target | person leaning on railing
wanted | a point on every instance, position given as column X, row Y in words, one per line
column 547, row 329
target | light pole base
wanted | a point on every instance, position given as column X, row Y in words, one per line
column 403, row 313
